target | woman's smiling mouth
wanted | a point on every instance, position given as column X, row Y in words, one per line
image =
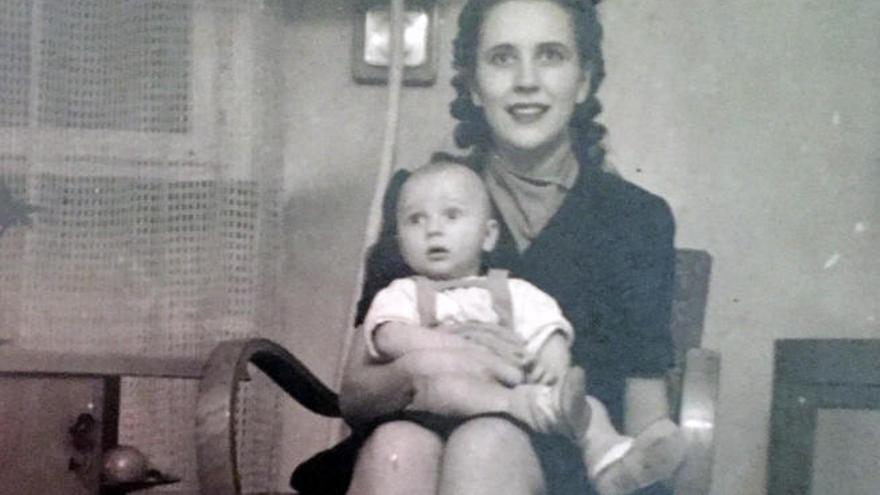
column 526, row 113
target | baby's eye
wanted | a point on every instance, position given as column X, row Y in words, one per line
column 452, row 213
column 415, row 218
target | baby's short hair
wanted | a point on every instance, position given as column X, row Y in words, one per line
column 441, row 161
column 444, row 157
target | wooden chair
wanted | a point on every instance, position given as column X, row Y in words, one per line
column 695, row 378
column 694, row 384
column 60, row 414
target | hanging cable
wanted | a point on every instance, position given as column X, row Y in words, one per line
column 386, row 167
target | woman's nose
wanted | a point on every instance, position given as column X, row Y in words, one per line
column 526, row 79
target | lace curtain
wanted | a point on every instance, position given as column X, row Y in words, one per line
column 148, row 134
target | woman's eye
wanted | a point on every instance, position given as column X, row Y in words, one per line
column 501, row 58
column 552, row 55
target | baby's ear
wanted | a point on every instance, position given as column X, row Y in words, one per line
column 491, row 235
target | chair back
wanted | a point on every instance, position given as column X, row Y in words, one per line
column 692, row 270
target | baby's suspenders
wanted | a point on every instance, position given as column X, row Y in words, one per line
column 495, row 282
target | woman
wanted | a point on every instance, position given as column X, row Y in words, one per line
column 527, row 76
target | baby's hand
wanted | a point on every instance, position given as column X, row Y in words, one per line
column 546, row 373
column 551, row 362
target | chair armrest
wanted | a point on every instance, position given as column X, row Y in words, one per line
column 15, row 360
column 699, row 397
column 218, row 389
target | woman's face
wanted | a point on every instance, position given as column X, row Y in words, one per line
column 528, row 76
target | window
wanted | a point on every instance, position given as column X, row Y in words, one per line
column 96, row 64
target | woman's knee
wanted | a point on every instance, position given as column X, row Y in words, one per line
column 489, row 437
column 490, row 455
column 399, row 442
column 399, row 457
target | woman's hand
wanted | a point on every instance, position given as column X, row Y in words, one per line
column 499, row 340
column 371, row 390
column 473, row 362
column 461, row 382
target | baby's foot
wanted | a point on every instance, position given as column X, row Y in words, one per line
column 571, row 402
column 561, row 408
column 654, row 456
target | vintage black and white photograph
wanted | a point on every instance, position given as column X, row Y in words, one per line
column 439, row 247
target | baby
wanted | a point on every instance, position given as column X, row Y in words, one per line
column 444, row 225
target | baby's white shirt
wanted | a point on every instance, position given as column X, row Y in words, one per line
column 536, row 315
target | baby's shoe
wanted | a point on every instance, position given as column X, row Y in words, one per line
column 653, row 456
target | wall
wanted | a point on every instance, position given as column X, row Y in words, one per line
column 756, row 120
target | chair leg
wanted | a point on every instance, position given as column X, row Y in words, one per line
column 699, row 399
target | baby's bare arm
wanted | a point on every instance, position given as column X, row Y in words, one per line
column 394, row 339
column 552, row 361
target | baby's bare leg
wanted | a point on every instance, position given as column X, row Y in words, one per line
column 601, row 436
column 619, row 464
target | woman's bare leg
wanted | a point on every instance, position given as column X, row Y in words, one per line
column 400, row 457
column 488, row 456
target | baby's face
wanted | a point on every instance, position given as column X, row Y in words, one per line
column 443, row 223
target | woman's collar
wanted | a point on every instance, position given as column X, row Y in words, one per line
column 560, row 169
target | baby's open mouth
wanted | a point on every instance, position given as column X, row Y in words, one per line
column 437, row 252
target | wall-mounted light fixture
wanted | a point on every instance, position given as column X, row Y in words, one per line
column 372, row 42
